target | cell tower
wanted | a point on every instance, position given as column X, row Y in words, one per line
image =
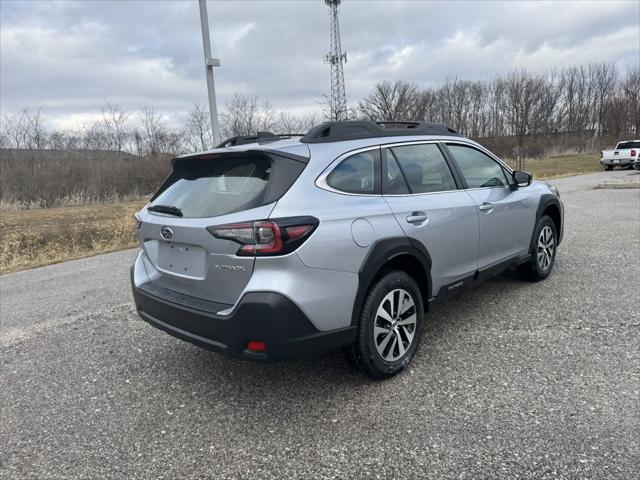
column 335, row 58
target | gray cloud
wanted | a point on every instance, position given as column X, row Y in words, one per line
column 69, row 57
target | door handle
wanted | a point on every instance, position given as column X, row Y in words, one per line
column 486, row 207
column 417, row 218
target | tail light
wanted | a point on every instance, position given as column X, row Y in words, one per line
column 267, row 237
column 633, row 153
column 255, row 346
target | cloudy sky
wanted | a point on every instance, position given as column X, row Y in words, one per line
column 70, row 56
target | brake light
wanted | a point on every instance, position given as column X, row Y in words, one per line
column 267, row 237
column 633, row 153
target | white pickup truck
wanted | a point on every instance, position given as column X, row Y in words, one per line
column 624, row 155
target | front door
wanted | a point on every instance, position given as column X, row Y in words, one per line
column 505, row 215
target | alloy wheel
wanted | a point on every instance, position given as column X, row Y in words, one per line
column 395, row 324
column 546, row 246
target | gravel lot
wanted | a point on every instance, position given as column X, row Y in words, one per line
column 513, row 380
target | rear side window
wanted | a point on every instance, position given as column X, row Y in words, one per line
column 478, row 169
column 355, row 174
column 209, row 187
column 625, row 145
column 423, row 167
column 395, row 184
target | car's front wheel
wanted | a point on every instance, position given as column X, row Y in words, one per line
column 390, row 326
column 608, row 167
column 543, row 253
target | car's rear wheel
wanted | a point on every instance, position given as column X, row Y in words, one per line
column 608, row 167
column 390, row 326
column 543, row 253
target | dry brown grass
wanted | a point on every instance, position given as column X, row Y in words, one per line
column 554, row 167
column 42, row 236
column 49, row 178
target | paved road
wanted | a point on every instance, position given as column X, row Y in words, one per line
column 513, row 380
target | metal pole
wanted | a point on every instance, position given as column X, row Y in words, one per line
column 209, row 63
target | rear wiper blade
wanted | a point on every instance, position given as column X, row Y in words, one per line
column 168, row 209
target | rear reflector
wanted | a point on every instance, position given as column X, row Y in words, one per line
column 267, row 237
column 257, row 347
column 633, row 153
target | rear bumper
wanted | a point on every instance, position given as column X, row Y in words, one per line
column 618, row 161
column 267, row 317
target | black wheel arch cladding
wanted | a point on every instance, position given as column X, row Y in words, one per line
column 383, row 252
column 550, row 205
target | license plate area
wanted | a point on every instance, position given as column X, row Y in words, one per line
column 182, row 259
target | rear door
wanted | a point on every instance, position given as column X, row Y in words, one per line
column 180, row 253
column 506, row 216
column 421, row 190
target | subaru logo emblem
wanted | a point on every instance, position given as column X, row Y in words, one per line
column 166, row 233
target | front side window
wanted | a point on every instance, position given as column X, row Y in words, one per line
column 478, row 169
column 355, row 174
column 422, row 167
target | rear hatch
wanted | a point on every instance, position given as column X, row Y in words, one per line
column 203, row 192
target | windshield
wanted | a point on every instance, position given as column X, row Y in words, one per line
column 208, row 188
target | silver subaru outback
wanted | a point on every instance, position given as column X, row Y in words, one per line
column 272, row 246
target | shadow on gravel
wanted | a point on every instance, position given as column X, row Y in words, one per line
column 309, row 378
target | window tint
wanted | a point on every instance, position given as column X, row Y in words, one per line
column 479, row 169
column 395, row 183
column 355, row 174
column 424, row 168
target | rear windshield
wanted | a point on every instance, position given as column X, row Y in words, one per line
column 208, row 188
column 625, row 145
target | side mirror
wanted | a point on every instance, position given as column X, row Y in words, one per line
column 521, row 179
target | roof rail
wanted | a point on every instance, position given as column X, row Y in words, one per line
column 358, row 129
column 260, row 137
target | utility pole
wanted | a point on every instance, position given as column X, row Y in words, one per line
column 336, row 58
column 209, row 63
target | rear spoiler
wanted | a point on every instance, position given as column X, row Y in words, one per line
column 261, row 137
column 241, row 154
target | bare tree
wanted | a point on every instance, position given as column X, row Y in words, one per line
column 605, row 79
column 524, row 93
column 391, row 101
column 115, row 120
column 95, row 137
column 286, row 122
column 36, row 132
column 198, row 133
column 576, row 98
column 15, row 129
column 247, row 116
column 631, row 92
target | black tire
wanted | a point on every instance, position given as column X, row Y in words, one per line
column 608, row 167
column 363, row 354
column 536, row 268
